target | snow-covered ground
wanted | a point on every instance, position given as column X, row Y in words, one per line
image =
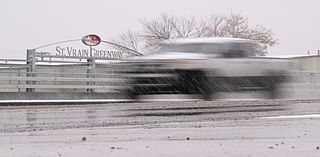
column 235, row 138
column 195, row 128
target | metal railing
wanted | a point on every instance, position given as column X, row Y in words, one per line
column 15, row 76
column 60, row 78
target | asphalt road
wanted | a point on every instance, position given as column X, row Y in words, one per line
column 194, row 128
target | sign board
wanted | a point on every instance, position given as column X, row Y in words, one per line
column 91, row 40
column 90, row 46
column 69, row 51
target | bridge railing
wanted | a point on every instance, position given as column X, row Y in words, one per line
column 81, row 77
column 61, row 78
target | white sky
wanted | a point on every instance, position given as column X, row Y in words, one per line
column 32, row 23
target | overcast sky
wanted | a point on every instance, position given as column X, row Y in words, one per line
column 32, row 23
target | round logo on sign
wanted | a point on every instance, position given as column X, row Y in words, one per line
column 91, row 40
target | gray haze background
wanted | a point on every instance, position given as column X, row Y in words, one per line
column 31, row 23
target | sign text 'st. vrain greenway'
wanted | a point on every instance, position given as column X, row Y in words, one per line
column 95, row 53
column 113, row 51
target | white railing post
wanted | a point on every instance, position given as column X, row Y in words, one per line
column 91, row 72
column 31, row 62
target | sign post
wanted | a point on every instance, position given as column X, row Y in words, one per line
column 91, row 40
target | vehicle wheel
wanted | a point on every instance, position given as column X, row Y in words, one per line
column 204, row 87
column 132, row 92
column 273, row 93
column 272, row 87
column 195, row 82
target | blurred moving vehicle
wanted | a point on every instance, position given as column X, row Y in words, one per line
column 204, row 66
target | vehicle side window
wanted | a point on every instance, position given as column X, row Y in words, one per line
column 236, row 51
column 235, row 54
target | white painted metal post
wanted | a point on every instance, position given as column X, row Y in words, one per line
column 31, row 62
column 91, row 72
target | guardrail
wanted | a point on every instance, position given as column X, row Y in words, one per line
column 74, row 79
column 60, row 78
column 37, row 84
column 306, row 77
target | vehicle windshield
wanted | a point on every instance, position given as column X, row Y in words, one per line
column 212, row 48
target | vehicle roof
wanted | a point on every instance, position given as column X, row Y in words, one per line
column 206, row 40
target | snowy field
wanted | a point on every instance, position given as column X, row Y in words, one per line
column 193, row 128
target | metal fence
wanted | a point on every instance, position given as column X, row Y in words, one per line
column 303, row 85
column 15, row 76
column 92, row 78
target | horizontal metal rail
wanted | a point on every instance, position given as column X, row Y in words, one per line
column 108, row 87
column 56, row 61
column 61, row 79
column 73, row 57
column 54, row 73
column 13, row 65
column 13, row 60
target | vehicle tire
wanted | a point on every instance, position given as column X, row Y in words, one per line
column 132, row 92
column 195, row 82
column 204, row 89
column 272, row 86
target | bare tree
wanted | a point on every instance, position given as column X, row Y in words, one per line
column 216, row 26
column 238, row 27
column 184, row 27
column 157, row 30
column 264, row 39
column 128, row 39
column 202, row 29
column 170, row 27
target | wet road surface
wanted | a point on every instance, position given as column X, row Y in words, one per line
column 205, row 128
